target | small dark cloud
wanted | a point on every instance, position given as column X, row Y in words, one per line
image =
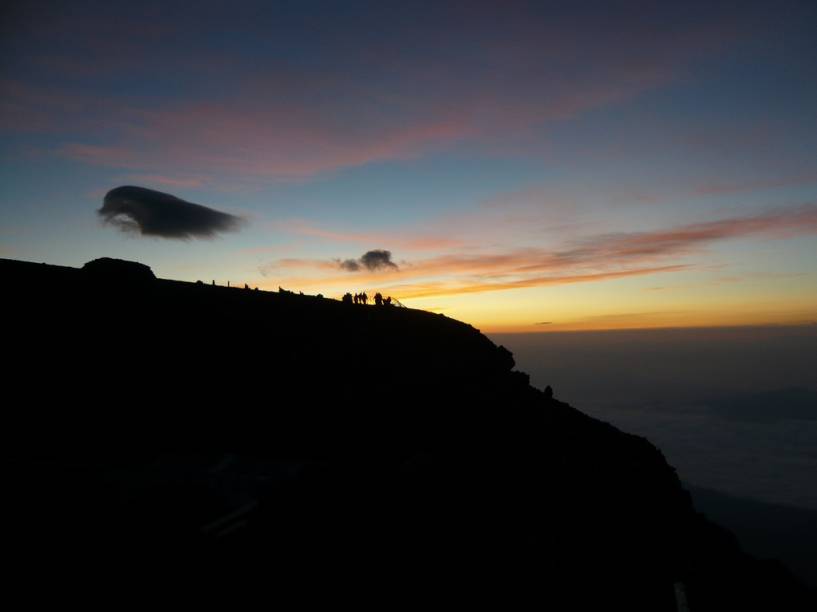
column 543, row 323
column 153, row 213
column 377, row 260
column 372, row 261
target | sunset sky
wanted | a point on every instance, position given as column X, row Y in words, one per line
column 529, row 166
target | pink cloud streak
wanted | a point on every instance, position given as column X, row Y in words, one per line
column 419, row 242
column 375, row 102
column 596, row 258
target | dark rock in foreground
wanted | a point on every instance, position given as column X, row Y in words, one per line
column 351, row 454
column 118, row 271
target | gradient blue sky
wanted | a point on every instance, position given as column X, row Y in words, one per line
column 530, row 166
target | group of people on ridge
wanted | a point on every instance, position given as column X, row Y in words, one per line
column 362, row 298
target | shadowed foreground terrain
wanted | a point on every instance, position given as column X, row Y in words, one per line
column 766, row 530
column 185, row 434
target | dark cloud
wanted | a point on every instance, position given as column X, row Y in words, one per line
column 373, row 261
column 153, row 213
column 377, row 260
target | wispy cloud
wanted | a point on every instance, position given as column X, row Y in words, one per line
column 191, row 182
column 732, row 187
column 591, row 259
column 487, row 77
column 453, row 288
column 407, row 241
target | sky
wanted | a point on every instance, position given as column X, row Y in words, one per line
column 521, row 166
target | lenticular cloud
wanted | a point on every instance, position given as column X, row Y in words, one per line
column 153, row 213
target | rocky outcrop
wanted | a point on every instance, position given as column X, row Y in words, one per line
column 118, row 271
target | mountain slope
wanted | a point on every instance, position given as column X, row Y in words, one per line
column 375, row 449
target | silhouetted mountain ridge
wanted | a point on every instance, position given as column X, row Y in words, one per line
column 386, row 449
